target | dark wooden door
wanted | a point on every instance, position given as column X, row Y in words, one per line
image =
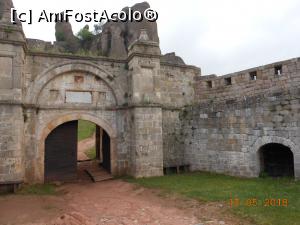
column 98, row 141
column 61, row 153
column 106, row 151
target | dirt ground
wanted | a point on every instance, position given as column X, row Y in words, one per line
column 112, row 202
column 83, row 146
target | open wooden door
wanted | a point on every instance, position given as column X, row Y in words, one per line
column 61, row 153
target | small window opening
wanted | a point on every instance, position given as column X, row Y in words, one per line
column 278, row 70
column 253, row 75
column 228, row 81
column 209, row 84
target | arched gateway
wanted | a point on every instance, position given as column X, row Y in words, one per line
column 58, row 147
column 127, row 110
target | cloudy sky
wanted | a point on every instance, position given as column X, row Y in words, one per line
column 220, row 36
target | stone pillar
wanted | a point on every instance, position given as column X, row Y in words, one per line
column 12, row 57
column 146, row 112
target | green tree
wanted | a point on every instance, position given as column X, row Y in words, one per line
column 85, row 35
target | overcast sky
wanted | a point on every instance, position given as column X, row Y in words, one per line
column 220, row 36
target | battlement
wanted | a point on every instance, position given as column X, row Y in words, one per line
column 276, row 76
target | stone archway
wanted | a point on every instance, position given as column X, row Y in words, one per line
column 276, row 160
column 44, row 78
column 71, row 117
column 262, row 141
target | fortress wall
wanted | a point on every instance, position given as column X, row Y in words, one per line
column 11, row 115
column 242, row 86
column 223, row 131
column 177, row 85
column 11, row 138
column 172, row 145
column 177, row 90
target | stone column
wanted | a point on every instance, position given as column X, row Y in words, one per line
column 12, row 57
column 146, row 112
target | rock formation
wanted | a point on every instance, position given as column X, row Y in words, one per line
column 114, row 39
column 65, row 38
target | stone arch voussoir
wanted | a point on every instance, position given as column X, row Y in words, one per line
column 49, row 74
column 274, row 139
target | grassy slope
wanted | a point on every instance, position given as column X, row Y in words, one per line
column 91, row 153
column 85, row 129
column 213, row 187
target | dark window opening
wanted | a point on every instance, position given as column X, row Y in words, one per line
column 176, row 169
column 276, row 160
column 209, row 84
column 253, row 75
column 228, row 81
column 278, row 70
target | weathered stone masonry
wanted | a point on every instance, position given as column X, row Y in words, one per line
column 228, row 123
column 157, row 111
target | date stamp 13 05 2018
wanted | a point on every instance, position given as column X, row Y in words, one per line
column 256, row 202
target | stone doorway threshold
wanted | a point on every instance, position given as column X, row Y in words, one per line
column 95, row 171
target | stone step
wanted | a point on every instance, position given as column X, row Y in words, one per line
column 98, row 175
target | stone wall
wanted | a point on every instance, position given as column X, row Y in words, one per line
column 172, row 141
column 11, row 114
column 146, row 148
column 224, row 129
column 177, row 84
column 244, row 85
column 11, row 138
column 177, row 90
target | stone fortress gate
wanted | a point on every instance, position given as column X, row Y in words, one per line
column 156, row 111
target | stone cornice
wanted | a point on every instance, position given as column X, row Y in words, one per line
column 102, row 58
column 32, row 106
column 142, row 55
column 74, row 56
column 13, row 42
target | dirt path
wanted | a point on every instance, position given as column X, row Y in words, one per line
column 85, row 145
column 112, row 202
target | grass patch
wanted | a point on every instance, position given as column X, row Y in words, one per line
column 91, row 153
column 38, row 189
column 215, row 187
column 86, row 129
